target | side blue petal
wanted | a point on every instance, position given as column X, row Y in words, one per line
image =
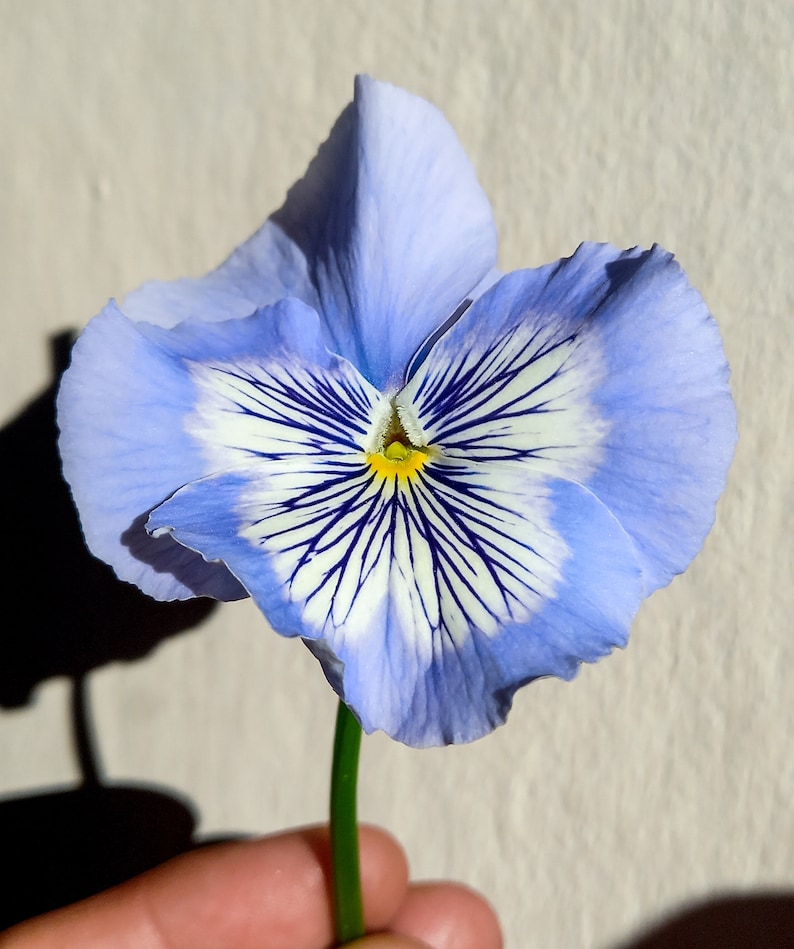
column 622, row 386
column 669, row 407
column 124, row 412
column 121, row 406
column 385, row 235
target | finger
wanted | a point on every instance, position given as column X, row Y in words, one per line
column 448, row 916
column 272, row 892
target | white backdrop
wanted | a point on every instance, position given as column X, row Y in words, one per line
column 146, row 139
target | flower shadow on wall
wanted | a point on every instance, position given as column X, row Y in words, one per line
column 76, row 616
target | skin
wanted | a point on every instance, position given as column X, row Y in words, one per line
column 267, row 894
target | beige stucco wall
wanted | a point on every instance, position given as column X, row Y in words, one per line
column 145, row 139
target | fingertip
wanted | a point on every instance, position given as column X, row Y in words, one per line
column 448, row 916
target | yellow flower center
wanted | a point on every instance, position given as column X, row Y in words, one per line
column 399, row 458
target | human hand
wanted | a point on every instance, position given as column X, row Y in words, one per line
column 266, row 894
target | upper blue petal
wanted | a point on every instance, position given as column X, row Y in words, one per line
column 385, row 235
column 267, row 268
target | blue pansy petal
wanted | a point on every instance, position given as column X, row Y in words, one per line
column 120, row 410
column 605, row 369
column 672, row 422
column 265, row 269
column 385, row 235
column 431, row 603
column 468, row 691
column 267, row 389
column 407, row 233
column 134, row 387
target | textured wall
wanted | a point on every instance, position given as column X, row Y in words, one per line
column 146, row 139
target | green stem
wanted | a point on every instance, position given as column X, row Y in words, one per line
column 348, row 911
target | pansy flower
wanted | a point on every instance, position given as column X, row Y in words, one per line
column 447, row 481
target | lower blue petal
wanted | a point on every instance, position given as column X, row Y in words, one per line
column 466, row 688
column 468, row 691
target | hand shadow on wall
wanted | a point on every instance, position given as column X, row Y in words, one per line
column 60, row 846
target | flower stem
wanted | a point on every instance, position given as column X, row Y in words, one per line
column 346, row 877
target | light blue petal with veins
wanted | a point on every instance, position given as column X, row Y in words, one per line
column 385, row 235
column 431, row 607
column 625, row 390
column 133, row 391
